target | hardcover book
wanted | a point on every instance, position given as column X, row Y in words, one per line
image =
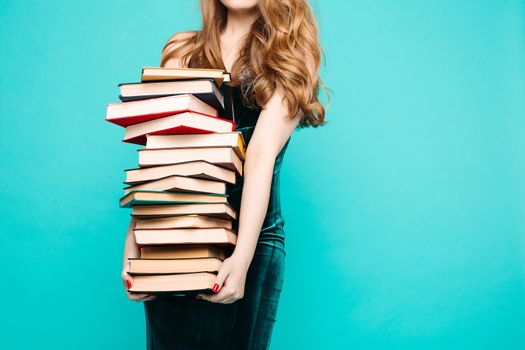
column 182, row 251
column 221, row 156
column 180, row 123
column 134, row 112
column 232, row 139
column 186, row 236
column 180, row 184
column 220, row 210
column 205, row 90
column 164, row 73
column 182, row 221
column 199, row 169
column 162, row 197
column 181, row 282
column 146, row 266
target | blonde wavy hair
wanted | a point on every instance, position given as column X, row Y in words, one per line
column 281, row 51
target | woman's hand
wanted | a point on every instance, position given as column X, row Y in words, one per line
column 230, row 281
column 126, row 279
column 131, row 250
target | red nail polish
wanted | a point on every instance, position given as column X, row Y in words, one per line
column 128, row 283
column 215, row 288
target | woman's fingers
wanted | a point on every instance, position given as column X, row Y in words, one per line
column 224, row 286
column 141, row 296
column 136, row 296
column 210, row 298
column 148, row 298
column 219, row 279
column 126, row 279
column 223, row 296
column 218, row 284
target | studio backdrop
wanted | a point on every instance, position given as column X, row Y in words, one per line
column 404, row 214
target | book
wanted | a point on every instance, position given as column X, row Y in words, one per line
column 180, row 123
column 186, row 236
column 220, row 210
column 179, row 265
column 134, row 112
column 198, row 169
column 180, row 184
column 221, row 156
column 232, row 139
column 163, row 74
column 183, row 221
column 161, row 197
column 205, row 90
column 185, row 251
column 196, row 282
column 229, row 108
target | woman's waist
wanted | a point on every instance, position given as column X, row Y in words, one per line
column 264, row 244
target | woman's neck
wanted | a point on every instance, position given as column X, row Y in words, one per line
column 238, row 23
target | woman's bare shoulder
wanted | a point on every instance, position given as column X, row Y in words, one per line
column 170, row 58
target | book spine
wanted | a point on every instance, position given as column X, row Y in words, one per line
column 229, row 110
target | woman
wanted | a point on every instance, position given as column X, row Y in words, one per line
column 271, row 49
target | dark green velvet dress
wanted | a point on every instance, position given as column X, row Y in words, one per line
column 185, row 323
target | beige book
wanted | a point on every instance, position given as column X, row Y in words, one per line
column 173, row 283
column 182, row 251
column 161, row 197
column 220, row 210
column 232, row 139
column 133, row 112
column 199, row 169
column 180, row 123
column 183, row 221
column 221, row 156
column 162, row 74
column 186, row 236
column 180, row 183
column 159, row 266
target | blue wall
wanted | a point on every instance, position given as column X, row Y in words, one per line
column 404, row 215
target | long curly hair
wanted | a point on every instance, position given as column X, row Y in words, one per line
column 280, row 51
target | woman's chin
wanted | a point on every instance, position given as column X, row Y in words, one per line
column 240, row 5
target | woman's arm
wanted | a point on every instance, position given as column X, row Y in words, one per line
column 273, row 129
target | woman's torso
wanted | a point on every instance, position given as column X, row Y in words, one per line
column 273, row 226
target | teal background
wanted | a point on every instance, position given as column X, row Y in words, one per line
column 404, row 215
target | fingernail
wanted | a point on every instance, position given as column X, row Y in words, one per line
column 215, row 288
column 128, row 283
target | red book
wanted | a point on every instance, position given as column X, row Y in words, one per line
column 182, row 123
column 134, row 112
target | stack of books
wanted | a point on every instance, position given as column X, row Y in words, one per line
column 178, row 193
